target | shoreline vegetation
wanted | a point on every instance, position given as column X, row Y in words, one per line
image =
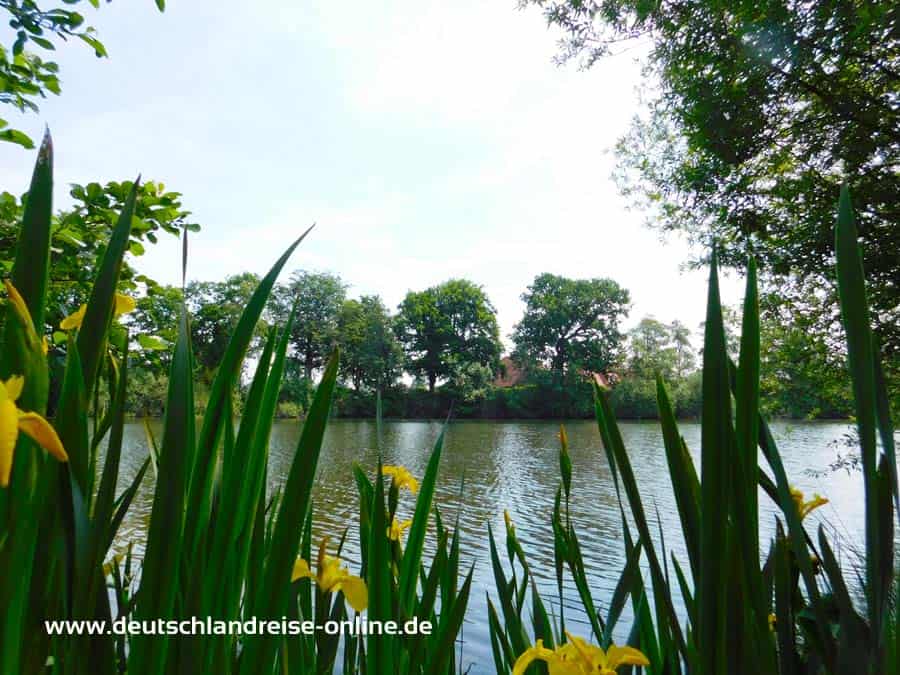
column 441, row 351
column 366, row 410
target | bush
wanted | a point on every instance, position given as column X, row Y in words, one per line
column 289, row 410
column 634, row 398
column 146, row 393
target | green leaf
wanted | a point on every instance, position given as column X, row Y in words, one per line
column 503, row 656
column 162, row 561
column 512, row 621
column 17, row 137
column 717, row 450
column 271, row 597
column 861, row 361
column 152, row 343
column 448, row 629
column 43, row 42
column 412, row 556
column 784, row 610
column 123, row 503
column 72, row 415
column 202, row 465
column 94, row 332
column 380, row 648
column 620, row 465
column 621, row 593
column 683, row 476
column 30, row 276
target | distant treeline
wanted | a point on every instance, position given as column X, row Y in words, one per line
column 439, row 347
column 441, row 350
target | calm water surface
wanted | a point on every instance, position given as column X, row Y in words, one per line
column 514, row 466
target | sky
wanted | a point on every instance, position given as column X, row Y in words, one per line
column 427, row 140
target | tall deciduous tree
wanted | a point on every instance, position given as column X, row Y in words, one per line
column 154, row 326
column 216, row 307
column 571, row 323
column 656, row 348
column 81, row 232
column 650, row 348
column 448, row 328
column 685, row 354
column 757, row 113
column 318, row 297
column 371, row 356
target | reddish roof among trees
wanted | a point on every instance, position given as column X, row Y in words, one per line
column 510, row 374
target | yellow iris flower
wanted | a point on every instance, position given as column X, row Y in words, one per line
column 334, row 577
column 563, row 438
column 13, row 420
column 578, row 657
column 395, row 531
column 807, row 507
column 401, row 478
column 20, row 309
column 510, row 526
column 17, row 302
column 123, row 305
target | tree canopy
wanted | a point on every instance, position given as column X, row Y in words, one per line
column 371, row 356
column 571, row 323
column 655, row 348
column 216, row 308
column 80, row 234
column 26, row 77
column 447, row 329
column 757, row 112
column 318, row 297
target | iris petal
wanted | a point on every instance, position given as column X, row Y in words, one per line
column 43, row 434
column 74, row 320
column 13, row 387
column 124, row 304
column 535, row 653
column 625, row 656
column 355, row 591
column 301, row 571
column 9, row 432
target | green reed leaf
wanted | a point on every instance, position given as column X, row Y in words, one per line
column 685, row 485
column 618, row 456
column 621, row 593
column 448, row 629
column 272, row 596
column 162, row 561
column 717, row 440
column 861, row 361
column 94, row 332
column 380, row 648
column 412, row 556
column 203, row 463
column 31, row 269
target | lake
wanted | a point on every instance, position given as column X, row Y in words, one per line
column 514, row 466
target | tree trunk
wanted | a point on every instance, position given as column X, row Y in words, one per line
column 308, row 364
column 432, row 378
column 558, row 366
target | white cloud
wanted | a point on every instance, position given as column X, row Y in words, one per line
column 426, row 139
